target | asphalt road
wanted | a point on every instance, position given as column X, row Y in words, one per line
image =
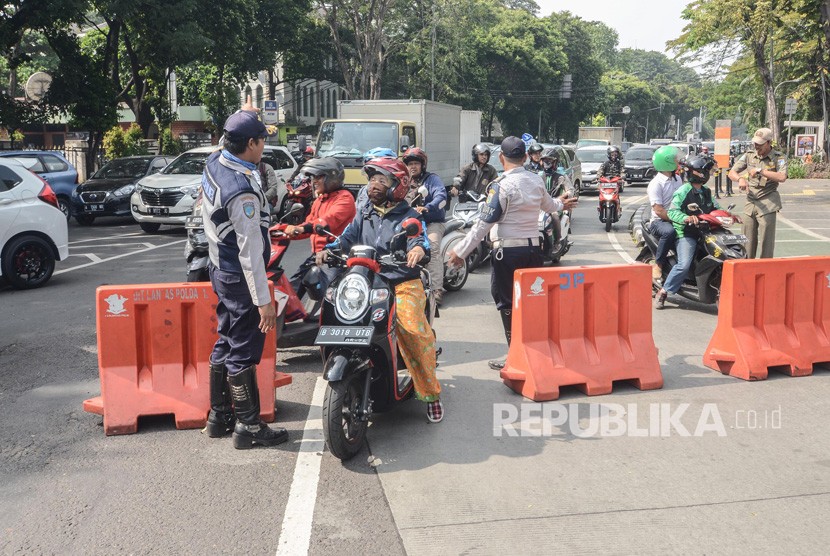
column 456, row 487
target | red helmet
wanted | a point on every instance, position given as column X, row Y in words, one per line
column 309, row 150
column 395, row 170
column 416, row 153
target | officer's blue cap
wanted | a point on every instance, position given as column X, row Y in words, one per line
column 245, row 125
column 513, row 147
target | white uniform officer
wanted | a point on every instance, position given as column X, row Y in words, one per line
column 236, row 219
column 511, row 217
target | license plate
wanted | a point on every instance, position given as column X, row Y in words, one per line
column 192, row 222
column 469, row 206
column 95, row 208
column 156, row 210
column 338, row 335
column 734, row 238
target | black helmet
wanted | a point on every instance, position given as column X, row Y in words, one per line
column 550, row 153
column 697, row 169
column 534, row 148
column 480, row 148
column 613, row 149
column 331, row 167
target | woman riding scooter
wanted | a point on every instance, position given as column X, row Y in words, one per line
column 691, row 199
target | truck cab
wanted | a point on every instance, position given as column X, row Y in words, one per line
column 348, row 139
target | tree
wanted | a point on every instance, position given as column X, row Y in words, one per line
column 748, row 25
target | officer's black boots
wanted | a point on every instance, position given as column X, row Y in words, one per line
column 249, row 430
column 220, row 419
column 507, row 322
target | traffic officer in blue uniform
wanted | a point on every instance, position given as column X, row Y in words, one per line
column 236, row 219
column 511, row 218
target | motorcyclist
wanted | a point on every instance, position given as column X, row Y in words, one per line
column 432, row 211
column 692, row 199
column 613, row 168
column 376, row 225
column 660, row 192
column 308, row 154
column 477, row 175
column 556, row 183
column 333, row 207
column 378, row 152
column 534, row 161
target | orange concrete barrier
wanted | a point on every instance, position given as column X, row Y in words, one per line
column 581, row 326
column 772, row 313
column 154, row 345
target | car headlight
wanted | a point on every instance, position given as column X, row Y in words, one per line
column 192, row 190
column 124, row 191
column 139, row 188
column 352, row 298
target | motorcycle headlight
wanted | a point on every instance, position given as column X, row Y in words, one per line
column 192, row 190
column 725, row 220
column 608, row 196
column 124, row 191
column 352, row 299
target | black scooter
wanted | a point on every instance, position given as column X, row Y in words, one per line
column 363, row 366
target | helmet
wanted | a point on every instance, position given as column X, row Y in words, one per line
column 393, row 169
column 550, row 153
column 378, row 152
column 331, row 167
column 480, row 148
column 309, row 150
column 613, row 149
column 665, row 159
column 535, row 148
column 697, row 169
column 416, row 154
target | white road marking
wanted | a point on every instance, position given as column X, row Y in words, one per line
column 121, row 256
column 802, row 229
column 801, row 241
column 618, row 248
column 108, row 237
column 92, row 257
column 295, row 537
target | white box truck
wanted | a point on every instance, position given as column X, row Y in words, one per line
column 439, row 129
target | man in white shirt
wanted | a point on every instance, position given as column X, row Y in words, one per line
column 660, row 191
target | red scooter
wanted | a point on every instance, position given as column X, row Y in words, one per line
column 609, row 201
column 298, row 191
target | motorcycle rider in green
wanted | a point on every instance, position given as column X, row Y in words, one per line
column 692, row 199
column 556, row 184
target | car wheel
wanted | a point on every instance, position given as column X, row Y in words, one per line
column 84, row 219
column 28, row 262
column 66, row 208
column 149, row 227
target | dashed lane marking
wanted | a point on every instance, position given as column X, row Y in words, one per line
column 121, row 256
column 802, row 229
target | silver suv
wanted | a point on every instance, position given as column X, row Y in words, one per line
column 167, row 197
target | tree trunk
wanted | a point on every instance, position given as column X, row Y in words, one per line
column 825, row 22
column 759, row 53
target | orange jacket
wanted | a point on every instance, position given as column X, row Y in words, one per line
column 337, row 209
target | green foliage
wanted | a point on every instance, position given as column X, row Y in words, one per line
column 118, row 143
column 796, row 169
column 168, row 144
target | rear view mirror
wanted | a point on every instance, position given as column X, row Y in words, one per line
column 404, row 143
column 302, row 144
column 412, row 226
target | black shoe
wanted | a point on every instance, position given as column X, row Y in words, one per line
column 221, row 419
column 249, row 430
column 497, row 364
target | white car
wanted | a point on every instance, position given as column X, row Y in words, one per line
column 33, row 230
column 167, row 197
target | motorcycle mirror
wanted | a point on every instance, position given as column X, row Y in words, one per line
column 412, row 226
column 730, row 207
column 423, row 192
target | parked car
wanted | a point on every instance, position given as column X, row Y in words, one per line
column 686, row 149
column 33, row 229
column 591, row 158
column 638, row 164
column 167, row 197
column 107, row 192
column 55, row 170
column 576, row 166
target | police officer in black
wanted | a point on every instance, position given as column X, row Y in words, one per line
column 236, row 219
column 513, row 204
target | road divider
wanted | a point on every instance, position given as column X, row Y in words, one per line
column 773, row 313
column 154, row 345
column 581, row 326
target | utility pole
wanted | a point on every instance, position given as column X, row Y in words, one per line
column 432, row 59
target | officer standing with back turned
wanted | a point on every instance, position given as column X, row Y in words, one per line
column 236, row 219
column 512, row 212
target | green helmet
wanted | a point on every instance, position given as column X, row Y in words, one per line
column 665, row 158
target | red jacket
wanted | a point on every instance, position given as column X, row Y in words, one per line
column 337, row 209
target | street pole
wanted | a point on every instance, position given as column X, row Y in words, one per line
column 824, row 108
column 539, row 130
column 432, row 59
column 647, row 115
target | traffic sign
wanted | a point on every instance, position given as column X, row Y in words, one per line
column 790, row 105
column 270, row 112
column 626, row 110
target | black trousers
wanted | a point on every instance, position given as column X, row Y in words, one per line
column 240, row 341
column 505, row 262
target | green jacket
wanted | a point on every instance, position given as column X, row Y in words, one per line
column 680, row 201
